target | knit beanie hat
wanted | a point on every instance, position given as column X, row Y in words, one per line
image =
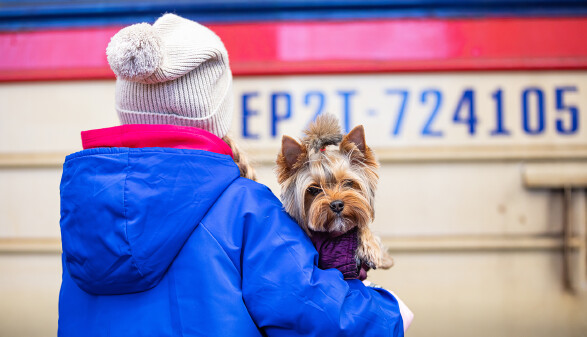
column 172, row 72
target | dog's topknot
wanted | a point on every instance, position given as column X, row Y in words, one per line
column 324, row 131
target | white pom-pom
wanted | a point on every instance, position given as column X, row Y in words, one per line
column 134, row 53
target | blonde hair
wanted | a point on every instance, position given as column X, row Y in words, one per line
column 241, row 160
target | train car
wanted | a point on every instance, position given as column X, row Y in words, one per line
column 477, row 111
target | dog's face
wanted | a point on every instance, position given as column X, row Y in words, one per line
column 328, row 182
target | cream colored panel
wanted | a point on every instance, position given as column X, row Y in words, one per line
column 48, row 116
column 486, row 294
column 29, row 200
column 29, row 292
column 468, row 198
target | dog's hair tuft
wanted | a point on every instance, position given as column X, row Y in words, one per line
column 323, row 132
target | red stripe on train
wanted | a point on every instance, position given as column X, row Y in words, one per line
column 326, row 47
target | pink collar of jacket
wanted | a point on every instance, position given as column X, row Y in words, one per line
column 155, row 135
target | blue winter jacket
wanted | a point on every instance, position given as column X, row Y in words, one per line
column 170, row 242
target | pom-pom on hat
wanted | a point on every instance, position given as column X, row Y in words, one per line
column 172, row 72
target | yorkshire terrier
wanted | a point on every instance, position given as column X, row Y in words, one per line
column 328, row 185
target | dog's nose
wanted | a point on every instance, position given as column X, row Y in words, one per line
column 336, row 206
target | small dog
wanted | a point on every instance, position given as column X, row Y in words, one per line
column 328, row 184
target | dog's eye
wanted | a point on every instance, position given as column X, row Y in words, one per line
column 314, row 190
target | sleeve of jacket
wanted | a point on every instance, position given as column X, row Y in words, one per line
column 288, row 295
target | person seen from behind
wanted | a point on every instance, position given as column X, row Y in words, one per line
column 163, row 234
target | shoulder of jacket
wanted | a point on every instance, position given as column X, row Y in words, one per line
column 247, row 187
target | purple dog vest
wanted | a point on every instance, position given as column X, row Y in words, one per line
column 338, row 251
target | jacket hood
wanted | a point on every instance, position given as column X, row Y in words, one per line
column 126, row 212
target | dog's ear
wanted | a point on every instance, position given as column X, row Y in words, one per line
column 355, row 140
column 364, row 158
column 291, row 153
column 290, row 150
column 356, row 136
